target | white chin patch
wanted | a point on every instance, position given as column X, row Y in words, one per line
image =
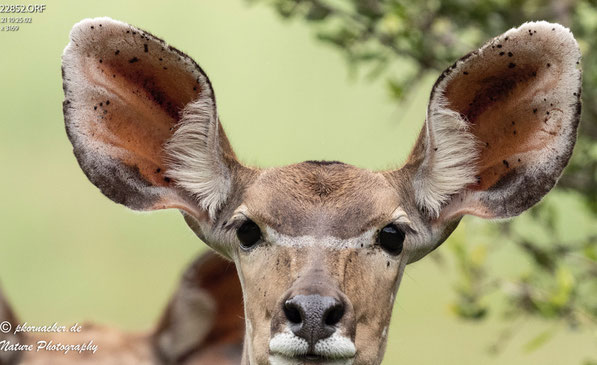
column 286, row 346
column 276, row 359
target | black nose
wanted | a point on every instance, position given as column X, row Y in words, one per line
column 313, row 317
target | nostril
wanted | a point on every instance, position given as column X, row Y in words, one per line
column 333, row 315
column 292, row 312
column 313, row 317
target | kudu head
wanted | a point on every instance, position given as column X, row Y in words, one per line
column 320, row 247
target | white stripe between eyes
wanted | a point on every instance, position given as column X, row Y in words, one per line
column 366, row 239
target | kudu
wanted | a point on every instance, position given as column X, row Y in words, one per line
column 202, row 325
column 320, row 247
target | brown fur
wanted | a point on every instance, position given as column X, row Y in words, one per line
column 306, row 199
column 289, row 200
column 320, row 220
column 210, row 274
column 520, row 93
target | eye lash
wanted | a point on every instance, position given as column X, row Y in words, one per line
column 238, row 217
column 406, row 228
column 400, row 219
column 234, row 223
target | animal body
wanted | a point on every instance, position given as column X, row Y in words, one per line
column 320, row 247
column 203, row 324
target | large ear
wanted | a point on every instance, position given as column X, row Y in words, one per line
column 205, row 318
column 142, row 118
column 501, row 125
column 8, row 323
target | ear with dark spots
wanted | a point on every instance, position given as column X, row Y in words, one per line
column 7, row 316
column 205, row 317
column 142, row 119
column 501, row 125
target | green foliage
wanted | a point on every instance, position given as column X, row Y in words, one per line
column 379, row 37
column 539, row 340
column 470, row 263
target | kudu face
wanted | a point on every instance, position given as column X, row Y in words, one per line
column 320, row 247
column 318, row 281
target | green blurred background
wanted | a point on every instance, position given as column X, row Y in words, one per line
column 68, row 254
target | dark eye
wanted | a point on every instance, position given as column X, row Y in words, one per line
column 391, row 238
column 248, row 234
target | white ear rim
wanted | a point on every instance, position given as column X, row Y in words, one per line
column 444, row 172
column 193, row 148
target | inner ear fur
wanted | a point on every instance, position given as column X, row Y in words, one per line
column 501, row 125
column 128, row 94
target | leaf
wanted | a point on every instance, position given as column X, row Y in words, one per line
column 539, row 340
column 565, row 281
column 478, row 255
column 396, row 89
column 317, row 12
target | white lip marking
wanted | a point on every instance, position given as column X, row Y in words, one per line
column 366, row 239
column 288, row 345
column 335, row 347
column 282, row 360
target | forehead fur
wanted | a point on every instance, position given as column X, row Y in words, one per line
column 321, row 199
